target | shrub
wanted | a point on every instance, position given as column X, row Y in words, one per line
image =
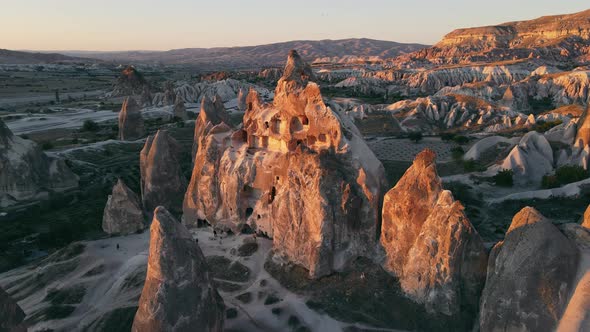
column 472, row 166
column 90, row 125
column 504, row 178
column 457, row 152
column 542, row 126
column 461, row 139
column 564, row 175
column 415, row 136
column 549, row 181
column 447, row 136
column 570, row 173
column 47, row 146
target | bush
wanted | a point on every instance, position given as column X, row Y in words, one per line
column 415, row 136
column 47, row 146
column 472, row 166
column 570, row 173
column 549, row 181
column 461, row 139
column 457, row 152
column 542, row 126
column 504, row 178
column 564, row 175
column 447, row 137
column 90, row 125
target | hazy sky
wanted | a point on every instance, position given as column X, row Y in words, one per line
column 167, row 24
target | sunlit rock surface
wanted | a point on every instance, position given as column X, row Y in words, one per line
column 530, row 275
column 430, row 244
column 123, row 212
column 178, row 294
column 296, row 171
column 211, row 114
column 131, row 126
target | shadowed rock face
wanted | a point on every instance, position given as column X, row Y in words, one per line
column 27, row 173
column 296, row 171
column 430, row 244
column 11, row 315
column 178, row 294
column 131, row 125
column 162, row 181
column 180, row 109
column 123, row 213
column 211, row 114
column 530, row 275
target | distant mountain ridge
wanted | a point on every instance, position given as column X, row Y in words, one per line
column 21, row 57
column 260, row 55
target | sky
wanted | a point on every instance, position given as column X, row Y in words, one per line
column 109, row 25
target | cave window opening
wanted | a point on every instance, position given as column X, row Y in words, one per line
column 273, row 193
column 249, row 107
column 249, row 212
column 304, row 120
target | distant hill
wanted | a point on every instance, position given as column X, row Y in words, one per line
column 20, row 57
column 261, row 55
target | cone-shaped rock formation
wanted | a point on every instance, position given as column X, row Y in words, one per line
column 131, row 125
column 430, row 244
column 178, row 294
column 123, row 213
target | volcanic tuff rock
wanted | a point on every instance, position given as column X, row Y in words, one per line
column 297, row 171
column 430, row 244
column 27, row 173
column 586, row 219
column 162, row 181
column 583, row 130
column 11, row 315
column 146, row 97
column 530, row 275
column 556, row 38
column 178, row 294
column 242, row 95
column 530, row 160
column 131, row 126
column 130, row 82
column 180, row 109
column 212, row 113
column 123, row 213
column 227, row 89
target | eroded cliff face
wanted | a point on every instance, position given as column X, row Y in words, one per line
column 557, row 38
column 178, row 294
column 295, row 171
column 429, row 243
column 530, row 275
column 11, row 315
column 162, row 181
column 27, row 173
column 131, row 126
